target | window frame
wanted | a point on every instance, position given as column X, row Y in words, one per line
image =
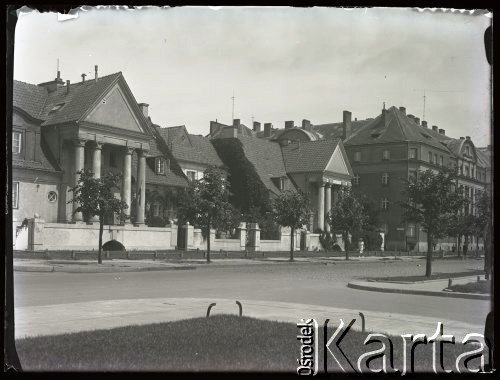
column 385, row 179
column 412, row 154
column 411, row 230
column 189, row 176
column 357, row 156
column 19, row 144
column 15, row 195
column 386, row 155
column 159, row 166
column 385, row 204
column 429, row 154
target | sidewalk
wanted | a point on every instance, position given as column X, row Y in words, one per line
column 427, row 288
column 122, row 265
column 95, row 315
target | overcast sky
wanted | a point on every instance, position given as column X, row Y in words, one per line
column 282, row 63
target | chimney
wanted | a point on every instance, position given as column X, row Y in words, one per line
column 237, row 125
column 467, row 137
column 411, row 116
column 424, row 124
column 144, row 108
column 83, row 77
column 402, row 110
column 441, row 131
column 67, row 87
column 267, row 129
column 355, row 119
column 289, row 124
column 58, row 76
column 233, row 132
column 417, row 120
column 306, row 124
column 435, row 128
column 346, row 124
column 96, row 72
column 213, row 126
column 461, row 137
column 256, row 126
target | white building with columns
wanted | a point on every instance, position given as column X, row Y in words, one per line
column 60, row 128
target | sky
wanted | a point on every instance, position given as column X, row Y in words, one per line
column 281, row 63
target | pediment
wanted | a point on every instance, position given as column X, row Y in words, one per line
column 337, row 163
column 115, row 110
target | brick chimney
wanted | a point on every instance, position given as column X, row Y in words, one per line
column 96, row 68
column 54, row 84
column 346, row 124
column 467, row 137
column 289, row 124
column 417, row 120
column 267, row 129
column 441, row 131
column 435, row 128
column 83, row 77
column 256, row 126
column 144, row 108
column 306, row 124
column 403, row 110
column 461, row 137
column 237, row 125
column 67, row 86
column 424, row 124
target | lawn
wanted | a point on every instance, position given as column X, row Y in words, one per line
column 217, row 343
column 481, row 287
column 434, row 276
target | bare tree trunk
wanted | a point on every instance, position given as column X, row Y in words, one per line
column 428, row 263
column 292, row 230
column 101, row 228
column 208, row 241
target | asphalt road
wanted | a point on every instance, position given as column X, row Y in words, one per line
column 315, row 284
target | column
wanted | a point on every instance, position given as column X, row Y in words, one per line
column 321, row 206
column 79, row 165
column 96, row 159
column 141, row 187
column 127, row 182
column 328, row 204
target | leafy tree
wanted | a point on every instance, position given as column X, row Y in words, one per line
column 347, row 216
column 291, row 209
column 459, row 225
column 433, row 201
column 206, row 203
column 483, row 226
column 95, row 197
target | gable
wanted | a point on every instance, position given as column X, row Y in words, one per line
column 337, row 163
column 115, row 110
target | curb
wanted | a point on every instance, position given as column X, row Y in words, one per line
column 97, row 270
column 359, row 286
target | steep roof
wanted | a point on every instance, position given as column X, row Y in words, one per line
column 267, row 159
column 187, row 147
column 29, row 97
column 397, row 128
column 483, row 158
column 217, row 130
column 334, row 130
column 310, row 156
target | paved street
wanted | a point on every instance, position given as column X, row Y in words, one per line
column 310, row 284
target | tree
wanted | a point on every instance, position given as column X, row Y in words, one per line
column 347, row 216
column 483, row 227
column 95, row 197
column 433, row 202
column 206, row 203
column 291, row 209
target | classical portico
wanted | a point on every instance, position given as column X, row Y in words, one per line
column 327, row 195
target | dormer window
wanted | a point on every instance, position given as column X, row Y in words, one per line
column 283, row 183
column 160, row 165
column 56, row 108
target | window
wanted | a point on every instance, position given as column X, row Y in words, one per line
column 430, row 157
column 52, row 196
column 385, row 178
column 357, row 156
column 385, row 155
column 410, row 230
column 16, row 142
column 160, row 166
column 385, row 204
column 466, row 171
column 467, row 150
column 412, row 154
column 441, row 161
column 435, row 159
column 355, row 180
column 282, row 183
column 15, row 195
column 191, row 175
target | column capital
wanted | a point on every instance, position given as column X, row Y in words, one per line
column 129, row 150
column 142, row 152
column 98, row 145
column 328, row 185
column 321, row 184
column 79, row 142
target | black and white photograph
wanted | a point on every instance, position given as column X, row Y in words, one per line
column 250, row 189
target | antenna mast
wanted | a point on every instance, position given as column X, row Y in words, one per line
column 232, row 113
column 423, row 116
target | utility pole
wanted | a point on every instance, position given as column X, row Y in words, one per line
column 232, row 114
